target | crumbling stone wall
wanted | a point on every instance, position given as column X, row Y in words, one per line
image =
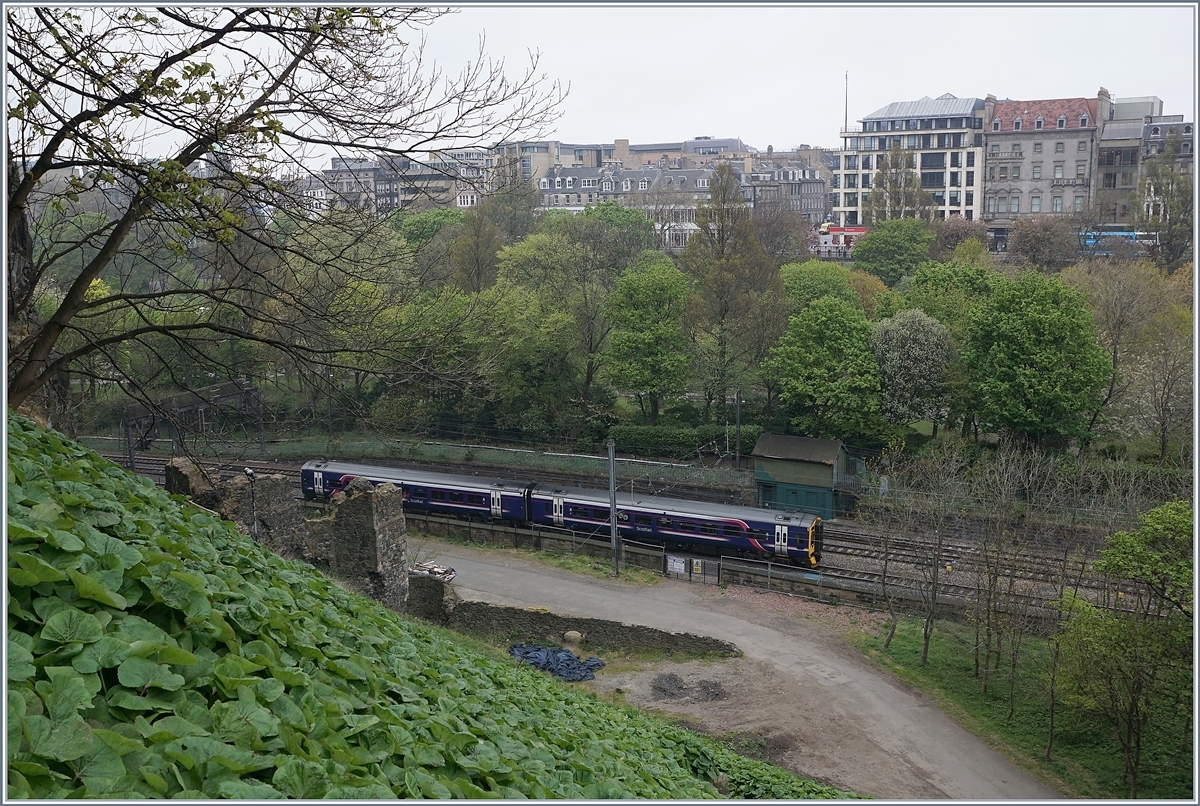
column 361, row 539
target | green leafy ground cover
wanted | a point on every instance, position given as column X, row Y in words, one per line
column 155, row 652
column 1086, row 759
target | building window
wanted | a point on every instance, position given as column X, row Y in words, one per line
column 1037, row 124
column 1037, row 148
column 970, row 200
column 570, row 181
column 625, row 184
column 866, row 180
column 851, row 180
column 970, row 215
column 851, row 162
column 607, row 186
column 1016, row 172
column 1037, row 171
column 1003, row 206
column 991, row 204
column 1062, row 121
column 1016, row 124
column 1083, row 121
column 970, row 159
column 1056, row 204
column 1082, row 146
column 955, row 179
column 1004, row 172
column 1080, row 169
column 956, row 160
column 701, row 183
column 1016, row 149
column 1014, row 205
column 835, row 181
column 970, row 179
column 544, row 184
column 1058, row 170
column 996, row 125
column 1079, row 204
column 1035, row 204
column 851, row 199
column 866, row 162
column 995, row 148
column 955, row 198
column 645, row 183
column 1060, row 148
column 991, row 173
column 835, row 199
column 557, row 181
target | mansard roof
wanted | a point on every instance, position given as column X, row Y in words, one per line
column 1049, row 109
column 943, row 106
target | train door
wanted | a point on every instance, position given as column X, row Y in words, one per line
column 496, row 504
column 558, row 510
column 781, row 536
column 318, row 483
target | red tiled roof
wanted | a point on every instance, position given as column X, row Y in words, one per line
column 1049, row 109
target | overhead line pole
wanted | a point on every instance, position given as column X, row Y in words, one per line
column 612, row 502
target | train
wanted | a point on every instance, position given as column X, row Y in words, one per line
column 678, row 524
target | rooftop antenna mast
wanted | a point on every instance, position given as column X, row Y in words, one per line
column 846, row 112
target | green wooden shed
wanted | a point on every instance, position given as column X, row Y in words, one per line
column 805, row 474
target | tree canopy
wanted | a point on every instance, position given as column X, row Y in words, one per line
column 893, row 248
column 190, row 125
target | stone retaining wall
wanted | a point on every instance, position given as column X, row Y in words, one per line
column 436, row 602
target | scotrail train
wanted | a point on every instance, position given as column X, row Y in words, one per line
column 671, row 522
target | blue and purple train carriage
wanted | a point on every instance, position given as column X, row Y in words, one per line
column 674, row 523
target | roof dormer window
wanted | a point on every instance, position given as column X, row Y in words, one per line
column 625, row 185
column 1016, row 124
column 606, row 186
column 996, row 125
column 1156, row 132
column 1083, row 121
column 1062, row 121
column 570, row 181
column 558, row 181
column 1039, row 123
column 544, row 184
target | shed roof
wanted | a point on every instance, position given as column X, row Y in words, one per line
column 800, row 449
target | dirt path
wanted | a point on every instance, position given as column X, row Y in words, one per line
column 800, row 697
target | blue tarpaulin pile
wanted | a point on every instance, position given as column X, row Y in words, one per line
column 557, row 661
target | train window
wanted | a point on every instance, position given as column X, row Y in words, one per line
column 642, row 520
column 687, row 526
column 665, row 523
column 477, row 500
column 420, row 492
column 756, row 533
column 437, row 495
column 708, row 529
column 600, row 514
column 578, row 512
column 456, row 497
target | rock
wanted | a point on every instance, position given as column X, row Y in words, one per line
column 573, row 637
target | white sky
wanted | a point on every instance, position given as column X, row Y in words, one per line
column 775, row 74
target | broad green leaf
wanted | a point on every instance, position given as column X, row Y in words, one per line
column 91, row 588
column 64, row 540
column 167, row 728
column 298, row 778
column 243, row 720
column 20, row 662
column 246, row 790
column 99, row 768
column 141, row 674
column 120, row 744
column 103, row 654
column 123, row 698
column 71, row 626
column 64, row 695
column 62, row 742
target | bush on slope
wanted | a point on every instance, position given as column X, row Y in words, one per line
column 155, row 652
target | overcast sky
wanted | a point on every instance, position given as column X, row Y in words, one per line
column 775, row 75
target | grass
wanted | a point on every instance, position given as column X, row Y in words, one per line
column 1086, row 760
column 574, row 563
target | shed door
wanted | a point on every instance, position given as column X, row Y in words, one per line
column 558, row 510
column 496, row 511
column 781, row 536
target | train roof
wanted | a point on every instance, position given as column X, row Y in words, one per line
column 414, row 475
column 664, row 504
column 585, row 494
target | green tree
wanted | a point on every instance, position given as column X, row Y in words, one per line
column 913, row 351
column 473, row 251
column 1164, row 202
column 246, row 89
column 826, row 369
column 896, row 190
column 893, row 248
column 807, row 282
column 731, row 275
column 1131, row 661
column 648, row 350
column 1035, row 365
column 1164, row 378
column 952, row 231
